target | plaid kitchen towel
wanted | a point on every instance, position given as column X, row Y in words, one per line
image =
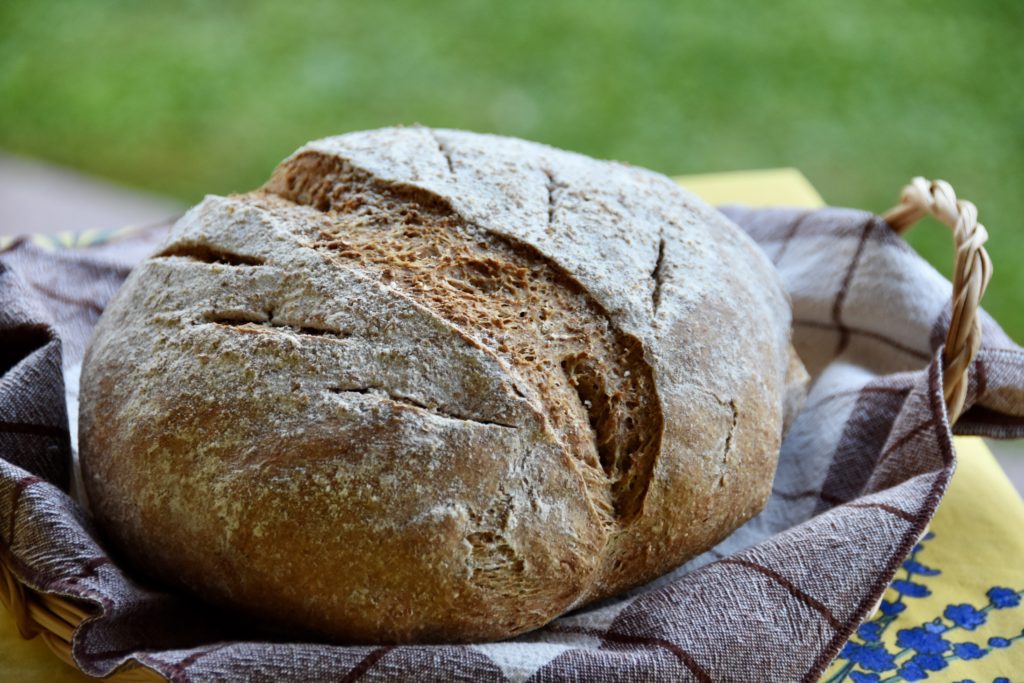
column 860, row 474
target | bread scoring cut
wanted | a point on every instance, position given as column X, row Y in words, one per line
column 598, row 393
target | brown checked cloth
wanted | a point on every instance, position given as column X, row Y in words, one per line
column 859, row 477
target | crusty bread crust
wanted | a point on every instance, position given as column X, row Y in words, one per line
column 429, row 385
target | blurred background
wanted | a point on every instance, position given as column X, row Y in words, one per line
column 185, row 98
column 180, row 99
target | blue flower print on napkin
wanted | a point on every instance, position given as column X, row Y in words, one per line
column 928, row 647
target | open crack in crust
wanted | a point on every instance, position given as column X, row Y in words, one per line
column 598, row 392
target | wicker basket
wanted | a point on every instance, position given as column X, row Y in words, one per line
column 55, row 619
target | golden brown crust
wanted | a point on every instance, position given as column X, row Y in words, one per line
column 394, row 398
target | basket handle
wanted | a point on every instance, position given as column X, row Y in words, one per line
column 970, row 278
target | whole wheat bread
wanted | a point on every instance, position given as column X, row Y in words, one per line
column 427, row 385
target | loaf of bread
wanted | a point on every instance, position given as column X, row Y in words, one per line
column 434, row 386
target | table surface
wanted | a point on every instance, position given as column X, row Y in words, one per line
column 977, row 544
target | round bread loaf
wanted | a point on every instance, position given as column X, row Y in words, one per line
column 428, row 385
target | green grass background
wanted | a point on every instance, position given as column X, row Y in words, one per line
column 186, row 98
